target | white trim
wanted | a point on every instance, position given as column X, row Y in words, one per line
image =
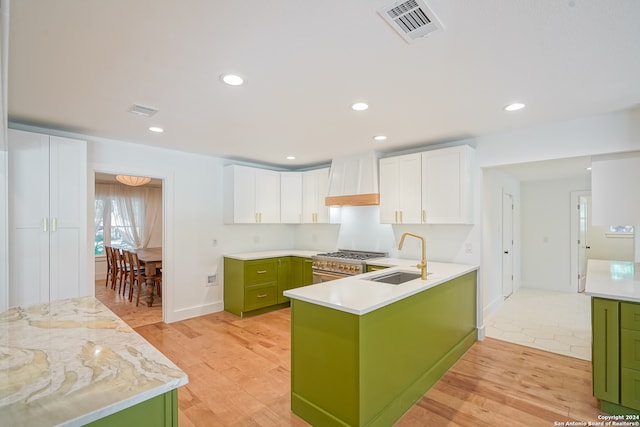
column 190, row 312
column 574, row 234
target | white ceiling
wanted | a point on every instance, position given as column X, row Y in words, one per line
column 79, row 65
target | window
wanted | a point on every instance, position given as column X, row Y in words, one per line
column 621, row 229
column 125, row 216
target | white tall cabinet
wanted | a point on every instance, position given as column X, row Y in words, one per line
column 315, row 186
column 47, row 218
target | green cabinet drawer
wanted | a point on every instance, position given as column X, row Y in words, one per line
column 261, row 271
column 630, row 316
column 630, row 348
column 260, row 296
column 630, row 388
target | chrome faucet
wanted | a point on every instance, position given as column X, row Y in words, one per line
column 423, row 263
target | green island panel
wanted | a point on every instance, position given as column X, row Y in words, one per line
column 159, row 411
column 350, row 370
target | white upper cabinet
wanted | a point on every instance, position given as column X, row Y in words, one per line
column 315, row 185
column 432, row 187
column 252, row 195
column 47, row 218
column 400, row 189
column 613, row 195
column 291, row 197
column 446, row 186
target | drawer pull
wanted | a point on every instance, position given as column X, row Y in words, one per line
column 262, row 296
column 261, row 271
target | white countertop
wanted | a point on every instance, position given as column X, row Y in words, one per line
column 74, row 361
column 613, row 280
column 248, row 256
column 358, row 295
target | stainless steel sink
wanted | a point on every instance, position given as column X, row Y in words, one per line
column 395, row 278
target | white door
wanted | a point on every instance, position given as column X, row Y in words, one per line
column 507, row 244
column 583, row 244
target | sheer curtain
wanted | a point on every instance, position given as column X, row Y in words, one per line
column 127, row 213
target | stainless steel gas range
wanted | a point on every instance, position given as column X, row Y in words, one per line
column 343, row 263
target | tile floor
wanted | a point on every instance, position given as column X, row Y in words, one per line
column 558, row 322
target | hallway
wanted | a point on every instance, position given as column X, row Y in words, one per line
column 559, row 322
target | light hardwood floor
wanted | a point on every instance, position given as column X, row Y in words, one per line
column 127, row 311
column 239, row 375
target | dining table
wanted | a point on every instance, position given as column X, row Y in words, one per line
column 151, row 258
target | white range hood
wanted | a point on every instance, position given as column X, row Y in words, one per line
column 353, row 181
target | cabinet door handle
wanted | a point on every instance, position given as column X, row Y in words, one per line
column 396, row 217
column 54, row 224
column 260, row 215
column 261, row 271
column 400, row 217
column 256, row 215
column 45, row 224
column 262, row 296
column 424, row 216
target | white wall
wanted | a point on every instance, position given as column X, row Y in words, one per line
column 192, row 217
column 604, row 245
column 495, row 183
column 546, row 232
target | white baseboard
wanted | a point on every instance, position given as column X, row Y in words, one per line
column 191, row 312
column 493, row 306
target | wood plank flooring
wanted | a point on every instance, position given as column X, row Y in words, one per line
column 239, row 375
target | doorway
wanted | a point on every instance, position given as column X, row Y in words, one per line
column 127, row 217
column 507, row 244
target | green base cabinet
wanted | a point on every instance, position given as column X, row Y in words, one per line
column 159, row 411
column 256, row 286
column 616, row 355
column 367, row 370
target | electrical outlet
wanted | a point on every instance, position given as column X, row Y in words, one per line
column 212, row 279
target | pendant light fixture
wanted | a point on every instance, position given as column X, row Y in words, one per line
column 133, row 181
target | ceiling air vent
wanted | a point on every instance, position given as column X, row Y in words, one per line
column 411, row 19
column 142, row 111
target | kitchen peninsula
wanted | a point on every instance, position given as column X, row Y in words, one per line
column 363, row 352
column 615, row 316
column 73, row 362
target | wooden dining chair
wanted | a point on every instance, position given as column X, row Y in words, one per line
column 109, row 255
column 121, row 269
column 126, row 271
column 141, row 277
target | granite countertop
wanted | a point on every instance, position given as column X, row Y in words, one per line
column 248, row 256
column 73, row 361
column 618, row 280
column 358, row 295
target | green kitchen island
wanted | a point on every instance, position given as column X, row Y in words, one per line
column 363, row 352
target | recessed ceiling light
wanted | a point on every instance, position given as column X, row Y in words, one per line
column 589, row 168
column 232, row 79
column 156, row 129
column 291, row 157
column 514, row 107
column 379, row 137
column 359, row 106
